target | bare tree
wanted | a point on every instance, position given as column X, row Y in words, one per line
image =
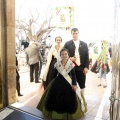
column 36, row 27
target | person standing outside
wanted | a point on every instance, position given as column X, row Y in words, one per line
column 79, row 55
column 17, row 79
column 33, row 58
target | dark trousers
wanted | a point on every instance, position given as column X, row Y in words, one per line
column 40, row 68
column 81, row 77
column 34, row 67
column 17, row 82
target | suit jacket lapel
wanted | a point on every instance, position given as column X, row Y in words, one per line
column 80, row 47
column 73, row 44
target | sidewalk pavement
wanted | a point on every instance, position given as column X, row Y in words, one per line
column 97, row 98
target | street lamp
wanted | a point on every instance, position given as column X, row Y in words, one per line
column 49, row 36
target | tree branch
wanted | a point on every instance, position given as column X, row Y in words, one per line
column 22, row 22
column 42, row 32
column 37, row 16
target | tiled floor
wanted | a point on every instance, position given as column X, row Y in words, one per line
column 97, row 98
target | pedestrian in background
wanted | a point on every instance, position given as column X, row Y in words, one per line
column 103, row 71
column 17, row 79
column 33, row 59
column 102, row 75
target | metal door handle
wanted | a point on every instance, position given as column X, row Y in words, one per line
column 112, row 101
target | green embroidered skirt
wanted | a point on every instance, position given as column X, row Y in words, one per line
column 60, row 102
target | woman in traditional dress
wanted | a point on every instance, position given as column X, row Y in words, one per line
column 63, row 98
column 51, row 60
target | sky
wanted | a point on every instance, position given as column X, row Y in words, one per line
column 94, row 18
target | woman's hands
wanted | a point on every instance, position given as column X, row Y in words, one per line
column 43, row 83
column 73, row 59
column 85, row 71
column 74, row 87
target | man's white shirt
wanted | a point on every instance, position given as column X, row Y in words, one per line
column 77, row 55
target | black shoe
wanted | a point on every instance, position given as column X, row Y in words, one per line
column 37, row 82
column 20, row 94
column 104, row 86
column 99, row 85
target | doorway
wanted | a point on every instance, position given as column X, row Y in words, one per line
column 91, row 96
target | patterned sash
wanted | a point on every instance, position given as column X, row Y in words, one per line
column 64, row 72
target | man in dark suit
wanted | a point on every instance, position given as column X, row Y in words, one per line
column 79, row 55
